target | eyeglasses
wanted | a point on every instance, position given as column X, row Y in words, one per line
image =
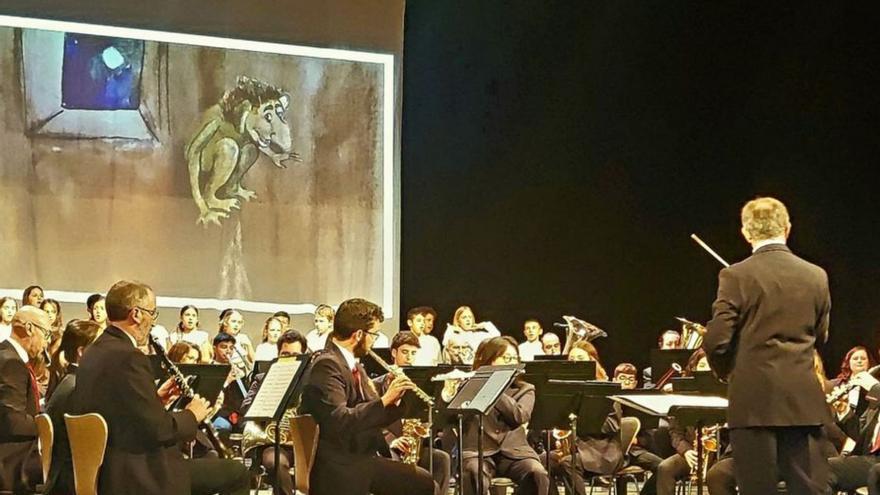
column 154, row 313
column 47, row 333
column 509, row 358
column 375, row 335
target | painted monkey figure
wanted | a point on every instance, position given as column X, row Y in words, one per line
column 248, row 120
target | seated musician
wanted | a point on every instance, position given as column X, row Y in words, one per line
column 550, row 344
column 20, row 400
column 639, row 453
column 404, row 349
column 669, row 339
column 351, row 414
column 684, row 461
column 234, row 390
column 457, row 350
column 291, row 343
column 505, row 449
column 77, row 336
column 856, row 360
column 464, row 325
column 596, row 454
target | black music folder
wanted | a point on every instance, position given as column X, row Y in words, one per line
column 206, row 380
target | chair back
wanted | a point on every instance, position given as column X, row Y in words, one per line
column 629, row 429
column 304, row 431
column 46, row 432
column 88, row 443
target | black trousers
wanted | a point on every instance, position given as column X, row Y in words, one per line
column 285, row 481
column 673, row 468
column 764, row 455
column 720, row 479
column 442, row 467
column 223, row 476
column 855, row 471
column 648, row 461
column 369, row 474
column 529, row 474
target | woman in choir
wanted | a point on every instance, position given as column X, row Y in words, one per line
column 465, row 325
column 78, row 335
column 8, row 308
column 33, row 296
column 187, row 330
column 505, row 449
column 53, row 309
column 317, row 338
column 586, row 351
column 97, row 310
column 272, row 330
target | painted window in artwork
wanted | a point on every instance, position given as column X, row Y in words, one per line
column 101, row 73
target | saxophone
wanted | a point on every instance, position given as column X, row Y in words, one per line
column 710, row 451
column 414, row 430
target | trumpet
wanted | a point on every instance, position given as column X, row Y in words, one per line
column 397, row 372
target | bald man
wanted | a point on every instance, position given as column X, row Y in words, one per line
column 20, row 400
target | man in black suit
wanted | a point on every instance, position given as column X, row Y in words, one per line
column 770, row 312
column 20, row 469
column 115, row 380
column 351, row 414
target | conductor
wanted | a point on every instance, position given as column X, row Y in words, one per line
column 771, row 310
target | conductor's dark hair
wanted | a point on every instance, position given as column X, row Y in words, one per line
column 354, row 315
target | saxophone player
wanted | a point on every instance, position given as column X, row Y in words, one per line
column 351, row 413
column 404, row 348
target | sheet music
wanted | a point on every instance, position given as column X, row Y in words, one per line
column 659, row 404
column 273, row 388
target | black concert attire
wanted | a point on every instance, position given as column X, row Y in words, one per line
column 505, row 449
column 20, row 468
column 853, row 471
column 114, row 379
column 675, row 467
column 265, row 455
column 770, row 312
column 340, row 396
column 442, row 462
column 60, row 480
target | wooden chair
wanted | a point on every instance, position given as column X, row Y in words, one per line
column 304, row 432
column 88, row 443
column 629, row 430
column 46, row 433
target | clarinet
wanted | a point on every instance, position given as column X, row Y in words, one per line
column 188, row 393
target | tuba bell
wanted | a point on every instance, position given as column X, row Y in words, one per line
column 253, row 436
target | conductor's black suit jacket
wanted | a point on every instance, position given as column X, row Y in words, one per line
column 18, row 406
column 771, row 311
column 115, row 380
column 350, row 422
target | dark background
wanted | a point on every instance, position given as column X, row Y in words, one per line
column 556, row 156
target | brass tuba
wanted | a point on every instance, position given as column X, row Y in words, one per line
column 253, row 436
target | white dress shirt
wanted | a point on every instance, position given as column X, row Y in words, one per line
column 528, row 350
column 429, row 353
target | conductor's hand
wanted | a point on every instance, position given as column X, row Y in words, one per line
column 691, row 457
column 865, row 380
column 199, row 407
column 396, row 390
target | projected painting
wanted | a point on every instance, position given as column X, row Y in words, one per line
column 213, row 169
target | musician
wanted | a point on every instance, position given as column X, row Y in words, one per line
column 115, row 380
column 640, row 453
column 684, row 461
column 232, row 323
column 586, row 351
column 505, row 449
column 550, row 344
column 669, row 339
column 404, row 352
column 351, row 414
column 77, row 336
column 291, row 343
column 235, row 388
column 532, row 331
column 856, row 360
column 770, row 311
column 457, row 350
column 20, row 469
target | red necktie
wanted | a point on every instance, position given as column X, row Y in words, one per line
column 34, row 387
column 357, row 381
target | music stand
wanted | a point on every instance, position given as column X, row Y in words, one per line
column 279, row 386
column 700, row 382
column 372, row 367
column 550, row 357
column 476, row 397
column 661, row 360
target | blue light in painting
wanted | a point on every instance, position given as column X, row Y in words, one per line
column 100, row 73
